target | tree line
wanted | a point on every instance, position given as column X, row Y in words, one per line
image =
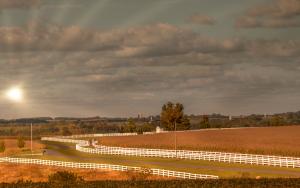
column 171, row 116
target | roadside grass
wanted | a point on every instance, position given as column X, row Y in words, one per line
column 10, row 172
column 67, row 152
column 12, row 148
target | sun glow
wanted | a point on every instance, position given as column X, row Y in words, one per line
column 15, row 94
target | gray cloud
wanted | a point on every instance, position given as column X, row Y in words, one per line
column 201, row 19
column 64, row 68
column 274, row 48
column 37, row 37
column 149, row 43
column 250, row 22
column 19, row 4
column 152, row 40
column 146, row 42
column 278, row 14
column 278, row 8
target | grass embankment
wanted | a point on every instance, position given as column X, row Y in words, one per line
column 37, row 173
column 67, row 152
column 267, row 140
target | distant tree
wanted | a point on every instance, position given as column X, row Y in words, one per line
column 53, row 129
column 276, row 120
column 148, row 127
column 122, row 129
column 172, row 113
column 2, row 146
column 204, row 124
column 184, row 123
column 21, row 142
column 139, row 130
column 145, row 127
column 131, row 126
column 66, row 131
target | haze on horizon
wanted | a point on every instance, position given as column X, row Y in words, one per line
column 120, row 58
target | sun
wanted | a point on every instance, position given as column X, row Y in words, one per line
column 15, row 94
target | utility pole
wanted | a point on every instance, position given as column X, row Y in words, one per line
column 175, row 139
column 31, row 137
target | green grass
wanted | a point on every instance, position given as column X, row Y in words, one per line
column 67, row 152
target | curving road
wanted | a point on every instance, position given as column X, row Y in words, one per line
column 68, row 152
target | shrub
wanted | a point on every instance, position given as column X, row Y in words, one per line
column 142, row 174
column 222, row 183
column 2, row 146
column 66, row 131
column 245, row 175
column 21, row 142
column 65, row 179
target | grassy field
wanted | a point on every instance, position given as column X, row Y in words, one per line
column 36, row 173
column 236, row 140
column 12, row 148
column 270, row 140
column 67, row 152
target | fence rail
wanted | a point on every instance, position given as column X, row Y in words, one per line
column 154, row 171
column 268, row 160
column 96, row 135
column 196, row 155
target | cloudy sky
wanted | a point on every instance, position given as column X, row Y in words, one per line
column 124, row 57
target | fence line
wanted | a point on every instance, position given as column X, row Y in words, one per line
column 96, row 135
column 268, row 160
column 154, row 171
column 196, row 155
column 147, row 133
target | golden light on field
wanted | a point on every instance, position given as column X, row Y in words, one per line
column 15, row 94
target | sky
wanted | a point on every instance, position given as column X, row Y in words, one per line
column 120, row 58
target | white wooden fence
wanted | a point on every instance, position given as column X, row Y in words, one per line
column 159, row 172
column 197, row 155
column 96, row 135
column 268, row 160
column 64, row 140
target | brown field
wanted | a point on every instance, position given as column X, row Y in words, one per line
column 12, row 148
column 14, row 172
column 268, row 140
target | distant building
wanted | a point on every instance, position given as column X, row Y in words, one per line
column 151, row 119
column 140, row 116
column 159, row 130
